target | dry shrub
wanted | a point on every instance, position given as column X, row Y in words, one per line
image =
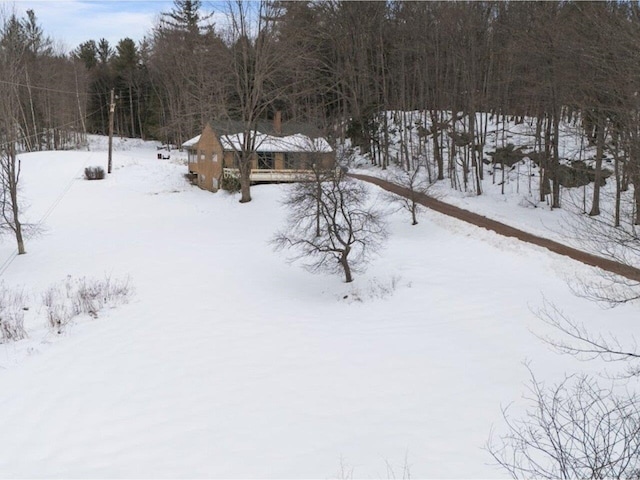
column 12, row 305
column 59, row 312
column 75, row 297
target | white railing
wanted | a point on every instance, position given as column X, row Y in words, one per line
column 268, row 175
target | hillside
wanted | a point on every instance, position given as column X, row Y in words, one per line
column 229, row 362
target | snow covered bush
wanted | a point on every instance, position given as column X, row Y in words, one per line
column 94, row 173
column 83, row 296
column 12, row 304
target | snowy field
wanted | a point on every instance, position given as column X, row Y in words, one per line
column 229, row 362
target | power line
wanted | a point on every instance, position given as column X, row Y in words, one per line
column 13, row 255
column 36, row 135
column 9, row 260
column 46, row 89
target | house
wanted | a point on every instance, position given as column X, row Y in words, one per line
column 283, row 152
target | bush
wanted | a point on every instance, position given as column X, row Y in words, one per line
column 72, row 298
column 230, row 183
column 192, row 178
column 12, row 304
column 58, row 311
column 94, row 173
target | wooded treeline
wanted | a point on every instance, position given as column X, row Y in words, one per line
column 342, row 64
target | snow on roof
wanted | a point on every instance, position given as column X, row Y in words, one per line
column 191, row 142
column 270, row 143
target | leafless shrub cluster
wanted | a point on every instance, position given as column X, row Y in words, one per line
column 575, row 429
column 58, row 311
column 12, row 304
column 66, row 300
column 375, row 289
column 393, row 472
column 94, row 173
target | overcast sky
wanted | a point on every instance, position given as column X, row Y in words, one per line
column 72, row 22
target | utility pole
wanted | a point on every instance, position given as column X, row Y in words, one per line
column 112, row 109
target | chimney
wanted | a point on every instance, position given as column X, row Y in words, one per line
column 277, row 122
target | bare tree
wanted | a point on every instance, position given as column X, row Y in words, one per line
column 10, row 70
column 575, row 429
column 416, row 184
column 619, row 243
column 573, row 338
column 9, row 178
column 253, row 62
column 351, row 231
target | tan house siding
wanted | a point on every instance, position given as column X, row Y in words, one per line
column 210, row 156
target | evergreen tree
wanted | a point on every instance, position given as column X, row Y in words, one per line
column 184, row 16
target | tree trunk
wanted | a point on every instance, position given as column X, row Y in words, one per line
column 636, row 196
column 595, row 205
column 13, row 175
column 474, row 153
column 245, row 180
column 436, row 147
column 345, row 265
column 618, row 183
column 133, row 122
column 555, row 202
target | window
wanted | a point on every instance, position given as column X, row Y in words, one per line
column 292, row 161
column 266, row 160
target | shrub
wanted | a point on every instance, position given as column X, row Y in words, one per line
column 230, row 183
column 94, row 173
column 59, row 313
column 12, row 315
column 192, row 178
column 75, row 297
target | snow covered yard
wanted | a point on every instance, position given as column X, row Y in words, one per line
column 228, row 362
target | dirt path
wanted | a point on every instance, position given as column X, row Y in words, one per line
column 503, row 229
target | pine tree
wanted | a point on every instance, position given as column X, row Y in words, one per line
column 185, row 16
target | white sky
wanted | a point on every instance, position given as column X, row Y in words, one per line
column 71, row 22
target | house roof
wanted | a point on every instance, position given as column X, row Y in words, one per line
column 271, row 143
column 293, row 136
column 230, row 127
column 191, row 142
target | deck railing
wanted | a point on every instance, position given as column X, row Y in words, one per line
column 268, row 175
